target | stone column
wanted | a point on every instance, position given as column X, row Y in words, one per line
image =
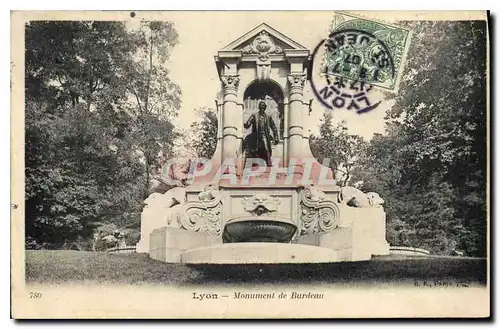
column 230, row 116
column 295, row 118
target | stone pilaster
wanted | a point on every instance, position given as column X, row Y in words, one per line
column 230, row 116
column 295, row 118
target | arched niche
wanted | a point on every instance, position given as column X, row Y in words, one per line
column 270, row 92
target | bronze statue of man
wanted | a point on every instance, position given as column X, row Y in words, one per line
column 259, row 141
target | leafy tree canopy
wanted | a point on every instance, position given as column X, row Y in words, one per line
column 98, row 107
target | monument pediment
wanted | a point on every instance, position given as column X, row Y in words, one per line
column 261, row 45
column 263, row 34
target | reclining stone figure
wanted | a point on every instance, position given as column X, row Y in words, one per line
column 167, row 205
column 353, row 197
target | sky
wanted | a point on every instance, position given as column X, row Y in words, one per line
column 202, row 34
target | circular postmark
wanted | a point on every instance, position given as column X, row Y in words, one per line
column 359, row 56
column 338, row 92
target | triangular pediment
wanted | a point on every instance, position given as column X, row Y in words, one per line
column 263, row 32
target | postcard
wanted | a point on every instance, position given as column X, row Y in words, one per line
column 250, row 164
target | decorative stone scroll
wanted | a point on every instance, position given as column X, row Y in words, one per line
column 262, row 45
column 296, row 81
column 204, row 215
column 260, row 203
column 230, row 83
column 317, row 214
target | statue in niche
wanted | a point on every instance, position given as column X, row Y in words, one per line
column 258, row 143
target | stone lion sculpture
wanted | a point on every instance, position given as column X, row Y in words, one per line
column 166, row 206
column 353, row 197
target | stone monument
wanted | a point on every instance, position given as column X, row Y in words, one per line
column 252, row 204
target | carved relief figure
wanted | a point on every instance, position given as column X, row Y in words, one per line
column 260, row 203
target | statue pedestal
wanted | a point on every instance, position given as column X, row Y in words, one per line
column 259, row 253
column 167, row 244
column 304, row 225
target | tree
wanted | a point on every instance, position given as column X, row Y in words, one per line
column 83, row 168
column 77, row 62
column 73, row 178
column 341, row 148
column 204, row 141
column 431, row 164
column 157, row 98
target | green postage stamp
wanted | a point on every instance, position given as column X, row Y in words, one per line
column 365, row 50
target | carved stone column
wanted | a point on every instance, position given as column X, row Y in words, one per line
column 230, row 116
column 295, row 119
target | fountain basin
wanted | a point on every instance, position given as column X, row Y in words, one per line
column 259, row 229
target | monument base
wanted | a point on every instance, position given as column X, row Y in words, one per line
column 174, row 245
column 167, row 244
column 259, row 253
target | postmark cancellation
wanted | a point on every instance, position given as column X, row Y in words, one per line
column 365, row 50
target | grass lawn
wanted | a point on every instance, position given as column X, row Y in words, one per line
column 44, row 266
column 57, row 266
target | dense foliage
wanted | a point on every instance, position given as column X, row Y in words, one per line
column 98, row 103
column 204, row 141
column 430, row 165
column 343, row 150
